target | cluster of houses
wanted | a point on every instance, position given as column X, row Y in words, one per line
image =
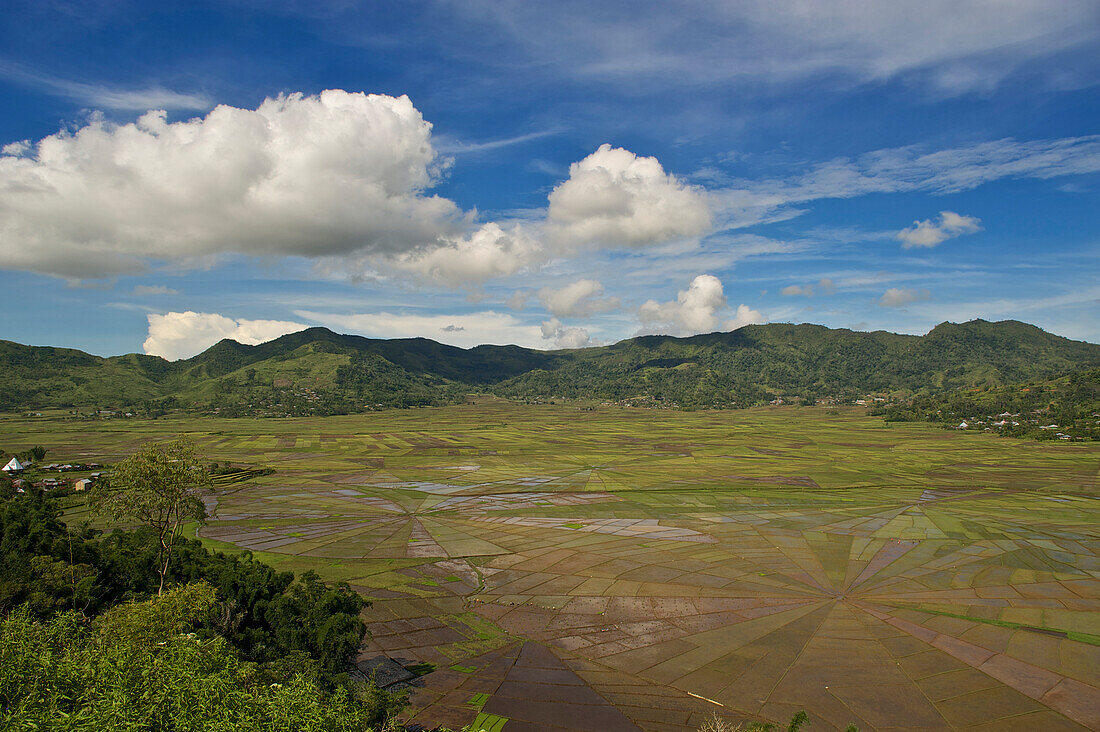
column 1004, row 420
column 67, row 467
column 1008, row 420
column 15, row 467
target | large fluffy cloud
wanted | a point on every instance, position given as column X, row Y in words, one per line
column 182, row 335
column 577, row 300
column 929, row 233
column 617, row 198
column 341, row 179
column 334, row 173
column 695, row 310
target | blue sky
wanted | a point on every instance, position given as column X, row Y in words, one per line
column 552, row 175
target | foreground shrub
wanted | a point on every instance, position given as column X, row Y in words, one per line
column 140, row 668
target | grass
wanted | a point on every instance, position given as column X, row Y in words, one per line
column 488, row 723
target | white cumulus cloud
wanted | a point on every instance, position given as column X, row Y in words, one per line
column 897, row 297
column 328, row 174
column 745, row 316
column 695, row 310
column 565, row 336
column 577, row 299
column 614, row 197
column 929, row 233
column 341, row 179
column 182, row 335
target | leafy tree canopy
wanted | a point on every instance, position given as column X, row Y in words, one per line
column 159, row 488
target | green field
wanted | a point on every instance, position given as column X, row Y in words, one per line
column 676, row 564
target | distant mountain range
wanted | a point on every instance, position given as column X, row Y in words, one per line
column 316, row 371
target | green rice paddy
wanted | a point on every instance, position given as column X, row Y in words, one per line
column 676, row 565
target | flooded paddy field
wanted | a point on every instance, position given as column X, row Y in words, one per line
column 547, row 567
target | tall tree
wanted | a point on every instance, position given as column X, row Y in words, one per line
column 158, row 487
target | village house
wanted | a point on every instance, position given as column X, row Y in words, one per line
column 14, row 466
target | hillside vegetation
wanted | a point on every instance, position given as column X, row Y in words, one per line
column 316, row 371
column 1066, row 408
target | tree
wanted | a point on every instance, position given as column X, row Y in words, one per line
column 139, row 668
column 320, row 619
column 159, row 488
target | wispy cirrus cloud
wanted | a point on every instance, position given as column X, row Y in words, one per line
column 450, row 146
column 947, row 47
column 746, row 202
column 154, row 290
column 107, row 96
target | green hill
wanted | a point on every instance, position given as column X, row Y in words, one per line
column 316, row 371
column 743, row 366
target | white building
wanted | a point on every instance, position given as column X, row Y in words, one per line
column 13, row 466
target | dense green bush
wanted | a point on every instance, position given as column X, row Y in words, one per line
column 254, row 621
column 141, row 667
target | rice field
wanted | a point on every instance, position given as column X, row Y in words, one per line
column 563, row 568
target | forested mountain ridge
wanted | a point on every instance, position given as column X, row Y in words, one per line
column 317, row 371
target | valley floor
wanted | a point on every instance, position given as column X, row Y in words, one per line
column 621, row 569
